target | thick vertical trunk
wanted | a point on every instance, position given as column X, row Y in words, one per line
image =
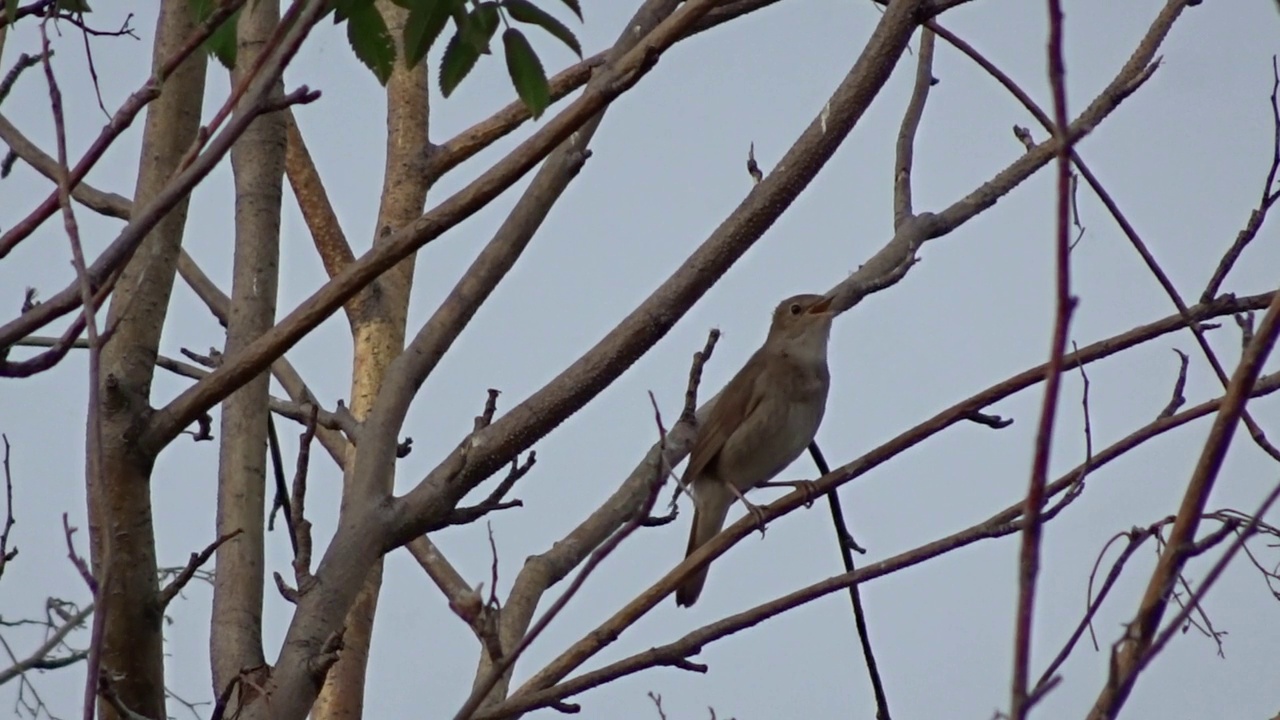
column 379, row 330
column 257, row 161
column 120, row 516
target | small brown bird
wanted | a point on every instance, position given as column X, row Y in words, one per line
column 765, row 417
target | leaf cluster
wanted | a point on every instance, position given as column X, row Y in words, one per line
column 475, row 23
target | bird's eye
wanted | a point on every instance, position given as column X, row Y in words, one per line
column 795, row 308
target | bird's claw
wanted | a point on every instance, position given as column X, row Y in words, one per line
column 810, row 490
column 808, row 487
column 758, row 514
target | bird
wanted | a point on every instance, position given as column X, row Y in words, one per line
column 765, row 417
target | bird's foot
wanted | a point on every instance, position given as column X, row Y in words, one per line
column 751, row 507
column 808, row 487
column 756, row 513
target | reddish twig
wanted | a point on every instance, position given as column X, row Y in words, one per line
column 1029, row 561
column 121, row 121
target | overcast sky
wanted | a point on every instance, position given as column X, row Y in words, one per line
column 1185, row 158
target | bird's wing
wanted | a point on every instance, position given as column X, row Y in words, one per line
column 715, row 432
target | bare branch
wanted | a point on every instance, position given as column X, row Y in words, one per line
column 469, row 142
column 847, row 546
column 1113, row 208
column 1128, row 660
column 503, row 664
column 196, row 561
column 910, row 126
column 1269, row 197
column 39, row 658
column 535, row 694
column 7, row 553
column 123, row 118
column 1194, row 602
column 613, row 627
column 892, row 262
column 1136, row 537
column 1029, row 557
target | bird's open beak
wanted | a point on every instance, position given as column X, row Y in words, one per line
column 820, row 307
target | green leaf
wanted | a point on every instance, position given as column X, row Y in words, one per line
column 527, row 12
column 11, row 10
column 343, row 9
column 466, row 46
column 426, row 20
column 575, row 7
column 75, row 6
column 459, row 58
column 526, row 72
column 481, row 24
column 221, row 43
column 367, row 32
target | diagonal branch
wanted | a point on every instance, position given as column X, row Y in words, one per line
column 1003, row 523
column 39, row 658
column 958, row 413
column 466, row 144
column 892, row 262
column 118, row 206
column 121, row 121
column 167, row 422
column 1255, row 221
column 1127, row 661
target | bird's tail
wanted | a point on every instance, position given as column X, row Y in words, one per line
column 711, row 508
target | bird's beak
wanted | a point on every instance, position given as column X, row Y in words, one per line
column 820, row 307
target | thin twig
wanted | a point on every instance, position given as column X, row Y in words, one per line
column 1136, row 537
column 1029, row 560
column 847, row 544
column 1269, row 197
column 281, row 499
column 7, row 553
column 39, row 658
column 902, row 206
column 1128, row 657
column 501, row 666
column 196, row 561
column 496, row 499
column 1207, row 583
column 1259, row 437
column 123, row 118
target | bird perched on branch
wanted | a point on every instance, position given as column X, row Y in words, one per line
column 764, row 418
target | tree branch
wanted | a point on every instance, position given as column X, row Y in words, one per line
column 1127, row 660
column 534, row 694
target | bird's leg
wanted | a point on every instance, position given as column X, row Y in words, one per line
column 751, row 507
column 808, row 487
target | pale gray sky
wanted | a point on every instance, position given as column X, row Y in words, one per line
column 1185, row 158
